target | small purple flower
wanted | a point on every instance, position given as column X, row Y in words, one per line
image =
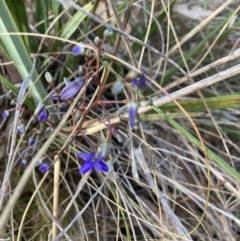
column 139, row 82
column 92, row 162
column 21, row 129
column 72, row 89
column 78, row 50
column 31, row 141
column 5, row 114
column 132, row 112
column 45, row 167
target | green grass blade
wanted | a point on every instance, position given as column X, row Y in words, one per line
column 73, row 23
column 20, row 18
column 213, row 103
column 28, row 101
column 18, row 53
column 41, row 8
column 56, row 11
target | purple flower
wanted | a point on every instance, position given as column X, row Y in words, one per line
column 45, row 167
column 72, row 89
column 5, row 114
column 139, row 82
column 92, row 162
column 132, row 112
column 78, row 50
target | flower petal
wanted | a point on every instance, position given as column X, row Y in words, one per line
column 86, row 156
column 132, row 112
column 139, row 82
column 104, row 167
column 86, row 167
column 72, row 89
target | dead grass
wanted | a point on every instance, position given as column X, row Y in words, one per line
column 159, row 187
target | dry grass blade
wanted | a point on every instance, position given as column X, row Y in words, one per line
column 200, row 26
column 56, row 195
column 232, row 56
column 128, row 157
column 95, row 127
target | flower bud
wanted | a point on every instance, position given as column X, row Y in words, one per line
column 39, row 162
column 13, row 102
column 81, row 70
column 48, row 77
column 43, row 115
column 31, row 141
column 24, row 164
column 78, row 49
column 40, row 107
column 45, row 167
column 21, row 129
column 108, row 32
column 25, row 154
column 119, row 138
column 97, row 40
column 117, row 87
column 5, row 114
column 89, row 53
column 132, row 112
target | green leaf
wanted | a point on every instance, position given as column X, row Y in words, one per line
column 73, row 23
column 19, row 16
column 56, row 11
column 18, row 53
column 41, row 9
